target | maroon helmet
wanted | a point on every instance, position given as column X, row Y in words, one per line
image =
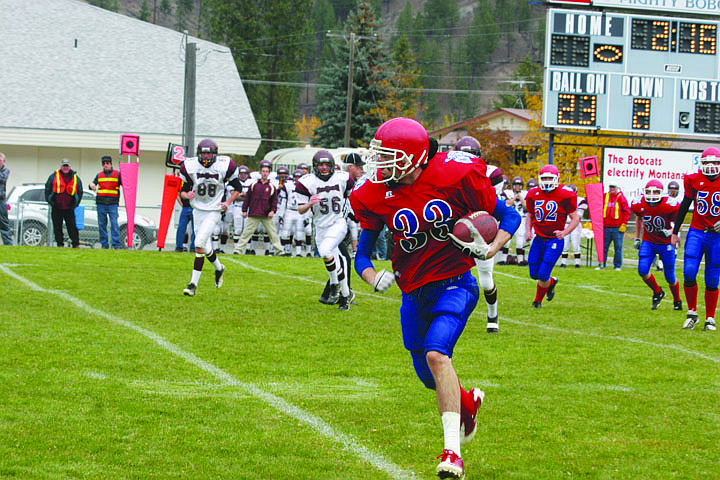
column 323, row 164
column 468, row 144
column 207, row 151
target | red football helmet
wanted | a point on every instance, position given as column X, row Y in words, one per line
column 207, row 151
column 468, row 144
column 549, row 178
column 653, row 191
column 400, row 145
column 710, row 161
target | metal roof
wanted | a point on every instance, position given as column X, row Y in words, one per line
column 71, row 66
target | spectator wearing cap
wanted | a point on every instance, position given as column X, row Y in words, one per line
column 63, row 191
column 616, row 213
column 107, row 186
column 355, row 164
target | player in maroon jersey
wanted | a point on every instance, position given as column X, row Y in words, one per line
column 703, row 238
column 418, row 194
column 655, row 213
column 549, row 204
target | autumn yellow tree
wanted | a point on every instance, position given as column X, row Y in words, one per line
column 305, row 129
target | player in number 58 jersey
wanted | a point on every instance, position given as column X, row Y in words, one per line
column 703, row 238
column 548, row 205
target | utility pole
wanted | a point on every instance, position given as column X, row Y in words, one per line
column 351, row 70
column 189, row 98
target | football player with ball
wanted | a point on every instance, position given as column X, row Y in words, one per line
column 549, row 204
column 418, row 193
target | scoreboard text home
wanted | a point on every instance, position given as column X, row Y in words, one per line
column 631, row 73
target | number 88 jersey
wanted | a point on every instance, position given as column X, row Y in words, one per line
column 208, row 183
column 706, row 195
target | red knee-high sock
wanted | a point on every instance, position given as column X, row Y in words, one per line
column 691, row 297
column 652, row 283
column 675, row 290
column 541, row 291
column 711, row 299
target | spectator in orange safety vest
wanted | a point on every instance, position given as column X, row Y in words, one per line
column 63, row 191
column 107, row 186
column 616, row 213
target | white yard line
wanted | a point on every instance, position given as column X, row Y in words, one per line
column 375, row 459
column 581, row 333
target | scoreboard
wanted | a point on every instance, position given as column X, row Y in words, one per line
column 631, row 73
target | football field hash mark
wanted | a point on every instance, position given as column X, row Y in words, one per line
column 316, row 423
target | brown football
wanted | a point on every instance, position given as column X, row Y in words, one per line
column 483, row 221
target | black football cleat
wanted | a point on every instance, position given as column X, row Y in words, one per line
column 492, row 325
column 657, row 298
column 333, row 294
column 537, row 304
column 190, row 290
column 677, row 305
column 325, row 294
column 344, row 303
column 551, row 289
column 219, row 277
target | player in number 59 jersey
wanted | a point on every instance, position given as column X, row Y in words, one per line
column 655, row 214
column 703, row 238
column 548, row 205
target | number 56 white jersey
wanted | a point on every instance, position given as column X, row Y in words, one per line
column 333, row 195
column 208, row 183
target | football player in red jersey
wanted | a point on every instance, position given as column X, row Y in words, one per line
column 549, row 204
column 654, row 216
column 418, row 193
column 703, row 238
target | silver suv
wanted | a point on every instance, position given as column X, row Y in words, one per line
column 27, row 201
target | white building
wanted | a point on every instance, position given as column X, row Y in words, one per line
column 76, row 77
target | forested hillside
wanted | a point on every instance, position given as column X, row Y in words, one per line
column 439, row 60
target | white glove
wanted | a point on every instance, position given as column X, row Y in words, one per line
column 478, row 248
column 716, row 227
column 637, row 243
column 383, row 280
column 668, row 232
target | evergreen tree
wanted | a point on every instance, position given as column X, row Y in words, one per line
column 368, row 73
column 165, row 8
column 401, row 87
column 250, row 28
column 144, row 12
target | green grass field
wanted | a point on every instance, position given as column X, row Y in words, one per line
column 108, row 371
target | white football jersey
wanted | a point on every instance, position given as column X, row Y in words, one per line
column 333, row 195
column 208, row 183
column 518, row 205
column 293, row 196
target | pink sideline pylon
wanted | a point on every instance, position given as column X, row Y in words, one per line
column 129, row 174
column 594, row 192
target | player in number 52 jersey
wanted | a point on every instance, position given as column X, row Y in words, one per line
column 703, row 238
column 548, row 205
column 654, row 216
